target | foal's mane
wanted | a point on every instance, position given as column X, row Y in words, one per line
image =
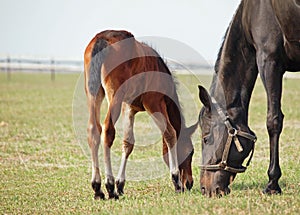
column 174, row 107
column 173, row 104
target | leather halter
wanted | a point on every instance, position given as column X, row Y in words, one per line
column 233, row 134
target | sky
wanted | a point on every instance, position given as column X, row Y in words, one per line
column 61, row 29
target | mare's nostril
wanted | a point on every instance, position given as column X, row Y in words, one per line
column 227, row 191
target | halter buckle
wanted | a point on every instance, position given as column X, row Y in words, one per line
column 223, row 164
column 232, row 132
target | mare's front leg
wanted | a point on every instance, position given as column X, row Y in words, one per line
column 271, row 74
column 108, row 138
column 128, row 144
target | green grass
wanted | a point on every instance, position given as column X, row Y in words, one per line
column 45, row 171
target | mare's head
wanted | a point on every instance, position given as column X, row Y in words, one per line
column 226, row 143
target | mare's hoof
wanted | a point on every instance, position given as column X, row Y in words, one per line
column 272, row 188
column 269, row 191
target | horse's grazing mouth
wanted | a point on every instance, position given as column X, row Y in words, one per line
column 209, row 183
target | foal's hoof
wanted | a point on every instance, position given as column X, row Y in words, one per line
column 120, row 187
column 113, row 195
column 99, row 195
column 189, row 185
column 98, row 192
column 177, row 184
column 180, row 190
column 110, row 187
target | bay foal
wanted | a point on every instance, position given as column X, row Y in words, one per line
column 134, row 78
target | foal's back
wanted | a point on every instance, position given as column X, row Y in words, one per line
column 128, row 69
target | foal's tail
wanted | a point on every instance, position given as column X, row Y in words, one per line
column 97, row 58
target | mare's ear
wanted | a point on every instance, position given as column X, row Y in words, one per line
column 204, row 97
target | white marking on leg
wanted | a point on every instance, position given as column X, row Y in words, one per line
column 107, row 163
column 128, row 139
column 170, row 137
column 121, row 174
column 173, row 161
column 95, row 142
column 95, row 167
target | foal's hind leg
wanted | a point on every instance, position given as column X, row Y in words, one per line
column 108, row 138
column 94, row 132
column 128, row 144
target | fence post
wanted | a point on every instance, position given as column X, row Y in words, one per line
column 8, row 70
column 52, row 70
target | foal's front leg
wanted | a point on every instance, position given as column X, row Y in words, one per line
column 160, row 116
column 170, row 137
column 128, row 144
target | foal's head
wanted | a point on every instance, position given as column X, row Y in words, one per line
column 185, row 152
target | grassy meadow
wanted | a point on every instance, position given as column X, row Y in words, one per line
column 45, row 165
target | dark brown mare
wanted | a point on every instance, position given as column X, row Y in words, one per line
column 134, row 78
column 264, row 38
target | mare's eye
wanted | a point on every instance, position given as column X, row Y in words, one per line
column 208, row 139
column 205, row 139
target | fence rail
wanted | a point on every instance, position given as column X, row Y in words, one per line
column 10, row 64
column 53, row 66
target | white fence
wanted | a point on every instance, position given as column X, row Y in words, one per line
column 52, row 66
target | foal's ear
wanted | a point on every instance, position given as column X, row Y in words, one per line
column 204, row 97
column 192, row 129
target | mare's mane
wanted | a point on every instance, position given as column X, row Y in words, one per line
column 236, row 34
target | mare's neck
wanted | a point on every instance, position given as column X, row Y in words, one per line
column 236, row 71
